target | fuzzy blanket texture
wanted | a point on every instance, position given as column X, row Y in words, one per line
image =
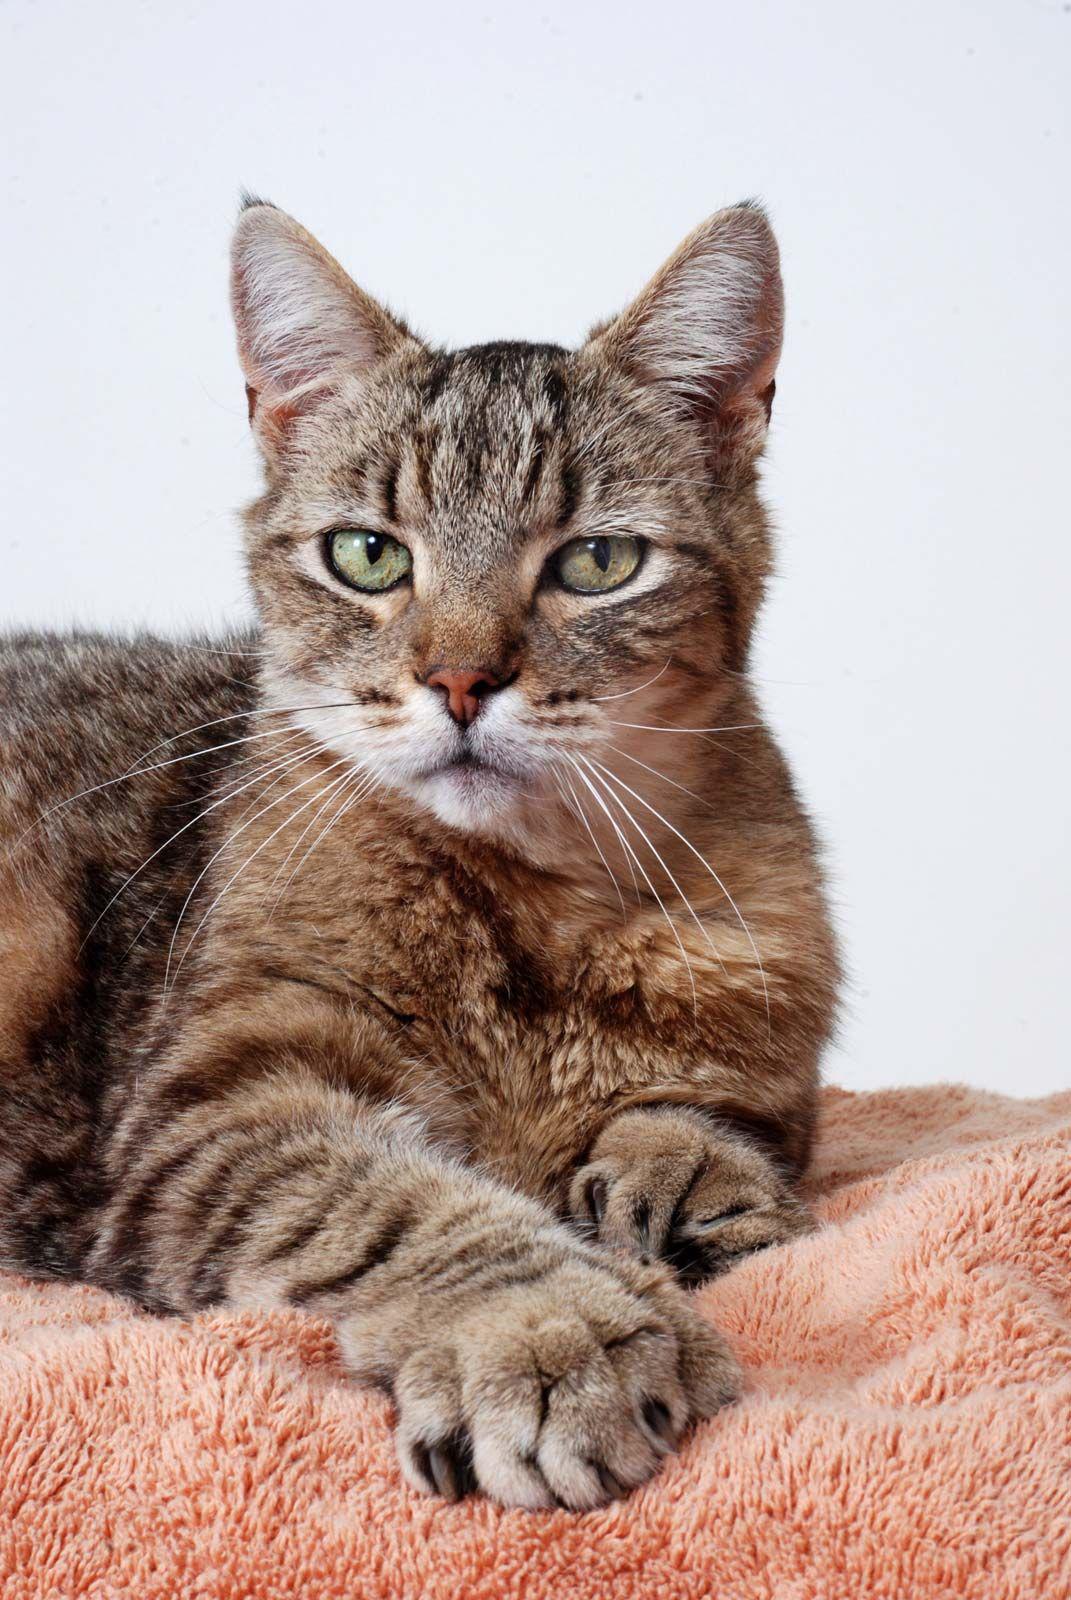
column 906, row 1430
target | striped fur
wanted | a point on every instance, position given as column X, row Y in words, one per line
column 474, row 1056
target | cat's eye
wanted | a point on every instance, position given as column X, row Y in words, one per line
column 592, row 566
column 366, row 560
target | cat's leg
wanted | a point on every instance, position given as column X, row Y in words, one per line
column 521, row 1360
column 685, row 1186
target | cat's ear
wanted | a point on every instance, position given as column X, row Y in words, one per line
column 706, row 331
column 302, row 322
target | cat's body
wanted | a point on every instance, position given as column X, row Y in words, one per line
column 303, row 1018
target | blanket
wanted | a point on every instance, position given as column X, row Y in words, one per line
column 905, row 1430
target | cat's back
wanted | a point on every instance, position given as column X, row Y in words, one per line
column 78, row 710
column 100, row 686
column 109, row 751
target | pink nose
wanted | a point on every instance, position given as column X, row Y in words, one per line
column 464, row 690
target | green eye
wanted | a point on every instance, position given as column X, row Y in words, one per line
column 591, row 566
column 369, row 561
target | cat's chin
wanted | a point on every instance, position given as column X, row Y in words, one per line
column 474, row 798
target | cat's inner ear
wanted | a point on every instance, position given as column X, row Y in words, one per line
column 707, row 332
column 302, row 322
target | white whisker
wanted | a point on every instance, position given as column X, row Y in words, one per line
column 124, row 886
column 349, row 801
column 305, row 831
column 736, row 727
column 343, row 760
column 211, row 650
column 656, row 774
column 706, row 865
column 626, row 692
column 582, row 814
column 665, row 726
column 645, row 836
column 353, row 786
column 236, row 763
column 144, row 925
column 139, row 771
column 236, row 716
column 643, row 872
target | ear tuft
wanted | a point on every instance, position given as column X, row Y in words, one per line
column 247, row 200
column 302, row 323
column 707, row 329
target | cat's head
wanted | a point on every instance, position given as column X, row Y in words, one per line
column 478, row 572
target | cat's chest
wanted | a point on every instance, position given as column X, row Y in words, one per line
column 514, row 1024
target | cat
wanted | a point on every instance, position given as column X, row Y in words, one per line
column 448, row 955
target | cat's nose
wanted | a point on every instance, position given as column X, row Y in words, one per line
column 465, row 691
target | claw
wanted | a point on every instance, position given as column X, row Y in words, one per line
column 612, row 1486
column 596, row 1199
column 723, row 1216
column 659, row 1424
column 448, row 1465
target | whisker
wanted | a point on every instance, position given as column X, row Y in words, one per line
column 738, row 755
column 145, row 924
column 235, row 716
column 211, row 650
column 277, row 773
column 706, row 865
column 656, row 774
column 643, row 872
column 303, row 834
column 737, row 727
column 280, row 770
column 626, row 692
column 645, row 836
column 343, row 760
column 584, row 819
column 137, row 771
column 233, row 766
column 125, row 885
column 349, row 801
column 360, row 782
column 628, row 858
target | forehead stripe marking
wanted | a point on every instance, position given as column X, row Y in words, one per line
column 535, row 472
column 570, row 493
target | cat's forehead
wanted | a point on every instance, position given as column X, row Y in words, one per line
column 502, row 379
column 486, row 439
column 491, row 413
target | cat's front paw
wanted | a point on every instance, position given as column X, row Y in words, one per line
column 563, row 1388
column 670, row 1183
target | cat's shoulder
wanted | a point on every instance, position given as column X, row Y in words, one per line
column 74, row 672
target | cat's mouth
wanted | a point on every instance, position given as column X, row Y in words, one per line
column 471, row 774
column 460, row 765
column 469, row 791
column 467, row 762
column 465, row 759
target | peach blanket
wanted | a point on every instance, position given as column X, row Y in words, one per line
column 906, row 1430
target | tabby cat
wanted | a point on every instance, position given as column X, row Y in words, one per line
column 448, row 956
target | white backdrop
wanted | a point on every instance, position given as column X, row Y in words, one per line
column 508, row 171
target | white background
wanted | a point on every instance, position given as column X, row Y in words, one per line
column 509, row 171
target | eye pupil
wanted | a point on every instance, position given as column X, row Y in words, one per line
column 374, row 562
column 598, row 564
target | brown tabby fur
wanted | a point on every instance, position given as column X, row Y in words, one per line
column 453, row 1057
